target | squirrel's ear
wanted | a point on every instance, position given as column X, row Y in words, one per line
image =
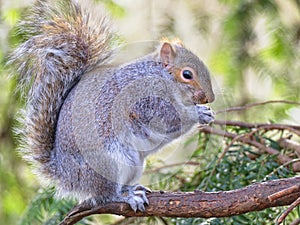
column 167, row 54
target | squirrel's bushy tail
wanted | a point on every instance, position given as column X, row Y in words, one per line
column 63, row 42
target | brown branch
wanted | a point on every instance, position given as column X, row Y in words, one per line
column 282, row 159
column 295, row 222
column 288, row 210
column 289, row 144
column 292, row 128
column 284, row 192
column 245, row 107
column 201, row 204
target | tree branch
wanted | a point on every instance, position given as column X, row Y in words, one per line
column 255, row 197
column 267, row 126
column 247, row 106
column 282, row 159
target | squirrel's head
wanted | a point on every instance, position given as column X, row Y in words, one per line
column 188, row 70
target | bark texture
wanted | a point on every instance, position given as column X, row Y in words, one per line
column 254, row 197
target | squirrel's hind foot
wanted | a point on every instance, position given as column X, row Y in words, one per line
column 135, row 196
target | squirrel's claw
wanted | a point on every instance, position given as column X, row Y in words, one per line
column 136, row 203
column 141, row 191
column 205, row 114
column 140, row 187
column 142, row 194
column 136, row 197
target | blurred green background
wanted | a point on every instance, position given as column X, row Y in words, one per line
column 251, row 47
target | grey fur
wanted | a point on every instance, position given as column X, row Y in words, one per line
column 88, row 127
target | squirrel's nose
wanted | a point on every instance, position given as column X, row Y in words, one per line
column 200, row 97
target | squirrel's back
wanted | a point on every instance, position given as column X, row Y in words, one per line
column 87, row 126
column 63, row 42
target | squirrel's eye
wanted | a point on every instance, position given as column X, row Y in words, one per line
column 187, row 74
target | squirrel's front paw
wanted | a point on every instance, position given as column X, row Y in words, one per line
column 205, row 114
column 136, row 197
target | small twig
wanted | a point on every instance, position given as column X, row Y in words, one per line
column 295, row 222
column 288, row 210
column 163, row 220
column 284, row 192
column 280, row 157
column 242, row 108
column 292, row 128
column 280, row 127
column 283, row 159
column 289, row 144
column 284, row 165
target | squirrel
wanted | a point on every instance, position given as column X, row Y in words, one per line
column 88, row 125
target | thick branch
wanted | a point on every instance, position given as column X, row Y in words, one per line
column 203, row 204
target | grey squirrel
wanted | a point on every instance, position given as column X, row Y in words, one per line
column 88, row 125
